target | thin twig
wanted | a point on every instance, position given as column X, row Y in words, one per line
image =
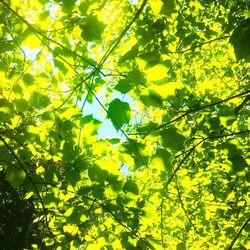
column 189, row 152
column 238, row 234
column 161, row 225
column 123, row 33
column 199, row 109
column 182, row 205
column 198, row 45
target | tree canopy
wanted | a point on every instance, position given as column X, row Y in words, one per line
column 170, row 78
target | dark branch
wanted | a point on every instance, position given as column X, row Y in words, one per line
column 199, row 45
column 238, row 234
column 199, row 109
column 123, row 33
column 182, row 205
column 238, row 108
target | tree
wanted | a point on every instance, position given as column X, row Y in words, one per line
column 173, row 77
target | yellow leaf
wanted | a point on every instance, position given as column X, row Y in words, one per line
column 69, row 212
column 156, row 6
column 71, row 229
column 109, row 165
column 32, row 41
column 156, row 72
column 28, row 195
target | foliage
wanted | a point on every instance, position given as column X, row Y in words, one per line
column 175, row 81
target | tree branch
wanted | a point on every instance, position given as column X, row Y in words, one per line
column 199, row 45
column 199, row 109
column 123, row 33
column 238, row 234
column 182, row 205
column 189, row 152
column 161, row 226
column 38, row 32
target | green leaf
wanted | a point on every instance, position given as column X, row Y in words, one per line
column 3, row 66
column 123, row 86
column 172, row 139
column 235, row 155
column 114, row 140
column 51, row 174
column 68, row 5
column 92, row 29
column 152, row 98
column 58, row 51
column 60, row 66
column 168, row 7
column 131, row 186
column 88, row 119
column 137, row 151
column 150, row 56
column 75, row 215
column 239, row 163
column 131, row 54
column 72, row 176
column 181, row 246
column 119, row 113
column 214, row 122
column 6, row 110
column 50, row 201
column 39, row 100
column 6, row 46
column 17, row 89
column 95, row 173
column 28, row 79
column 68, row 151
column 21, row 105
column 136, row 77
column 163, row 159
column 240, row 41
column 147, row 127
column 45, row 14
column 15, row 176
column 97, row 191
column 11, row 73
column 5, row 155
column 115, row 184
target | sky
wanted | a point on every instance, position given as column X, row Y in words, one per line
column 107, row 129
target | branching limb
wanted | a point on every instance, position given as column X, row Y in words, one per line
column 161, row 225
column 183, row 207
column 238, row 108
column 199, row 109
column 199, row 45
column 189, row 152
column 238, row 234
column 123, row 33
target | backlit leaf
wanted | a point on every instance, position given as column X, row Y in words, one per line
column 119, row 113
column 92, row 29
column 28, row 79
column 240, row 41
column 39, row 100
column 123, row 86
column 22, row 105
column 15, row 176
column 131, row 186
column 172, row 139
